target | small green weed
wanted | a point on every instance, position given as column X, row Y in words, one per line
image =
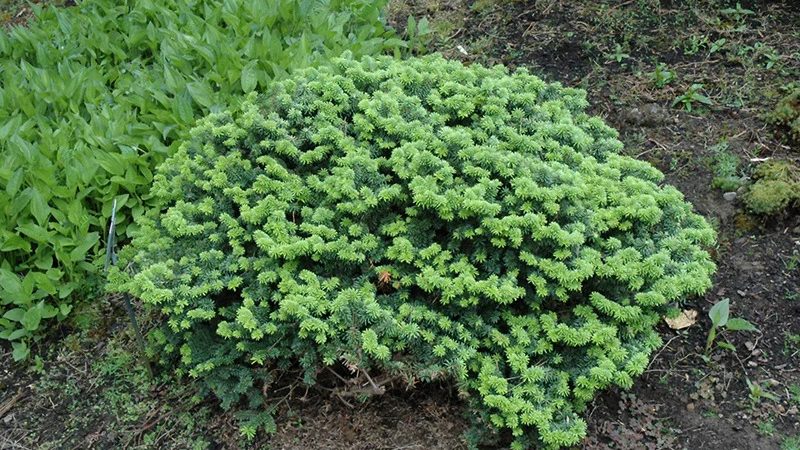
column 791, row 443
column 618, row 55
column 791, row 343
column 694, row 44
column 766, row 55
column 716, row 46
column 737, row 14
column 662, row 75
column 709, row 413
column 418, row 34
column 725, row 166
column 758, row 392
column 766, row 427
column 720, row 318
column 792, row 263
column 794, row 393
column 691, row 96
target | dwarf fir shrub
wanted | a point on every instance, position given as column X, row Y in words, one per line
column 423, row 219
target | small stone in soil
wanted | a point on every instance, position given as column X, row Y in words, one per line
column 729, row 196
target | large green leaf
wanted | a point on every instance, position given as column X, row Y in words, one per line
column 14, row 314
column 35, row 232
column 14, row 183
column 30, row 320
column 249, row 77
column 719, row 313
column 201, row 93
column 20, row 351
column 39, row 207
column 83, row 245
column 738, row 324
column 10, row 287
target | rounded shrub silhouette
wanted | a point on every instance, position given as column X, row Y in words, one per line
column 421, row 219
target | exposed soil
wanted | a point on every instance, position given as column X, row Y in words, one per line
column 91, row 395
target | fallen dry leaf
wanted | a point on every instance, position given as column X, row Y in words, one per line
column 685, row 319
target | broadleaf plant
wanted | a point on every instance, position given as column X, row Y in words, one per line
column 93, row 97
column 720, row 319
column 420, row 220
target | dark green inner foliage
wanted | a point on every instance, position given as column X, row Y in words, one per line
column 422, row 219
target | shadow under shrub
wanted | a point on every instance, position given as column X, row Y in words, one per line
column 422, row 219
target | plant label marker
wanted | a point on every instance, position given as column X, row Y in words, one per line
column 111, row 259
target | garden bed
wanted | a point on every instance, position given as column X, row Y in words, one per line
column 90, row 391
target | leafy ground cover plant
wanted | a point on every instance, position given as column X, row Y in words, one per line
column 418, row 220
column 94, row 96
column 691, row 96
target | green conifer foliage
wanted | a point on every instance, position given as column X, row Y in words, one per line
column 420, row 218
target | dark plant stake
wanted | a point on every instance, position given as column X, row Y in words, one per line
column 111, row 259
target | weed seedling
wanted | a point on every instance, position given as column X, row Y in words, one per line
column 791, row 343
column 709, row 413
column 662, row 76
column 720, row 319
column 725, row 166
column 695, row 44
column 792, row 263
column 791, row 443
column 759, row 392
column 692, row 96
column 738, row 14
column 772, row 58
column 717, row 46
column 618, row 55
column 794, row 393
column 766, row 427
column 418, row 34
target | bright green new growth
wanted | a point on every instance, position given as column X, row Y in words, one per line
column 424, row 219
column 94, row 96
